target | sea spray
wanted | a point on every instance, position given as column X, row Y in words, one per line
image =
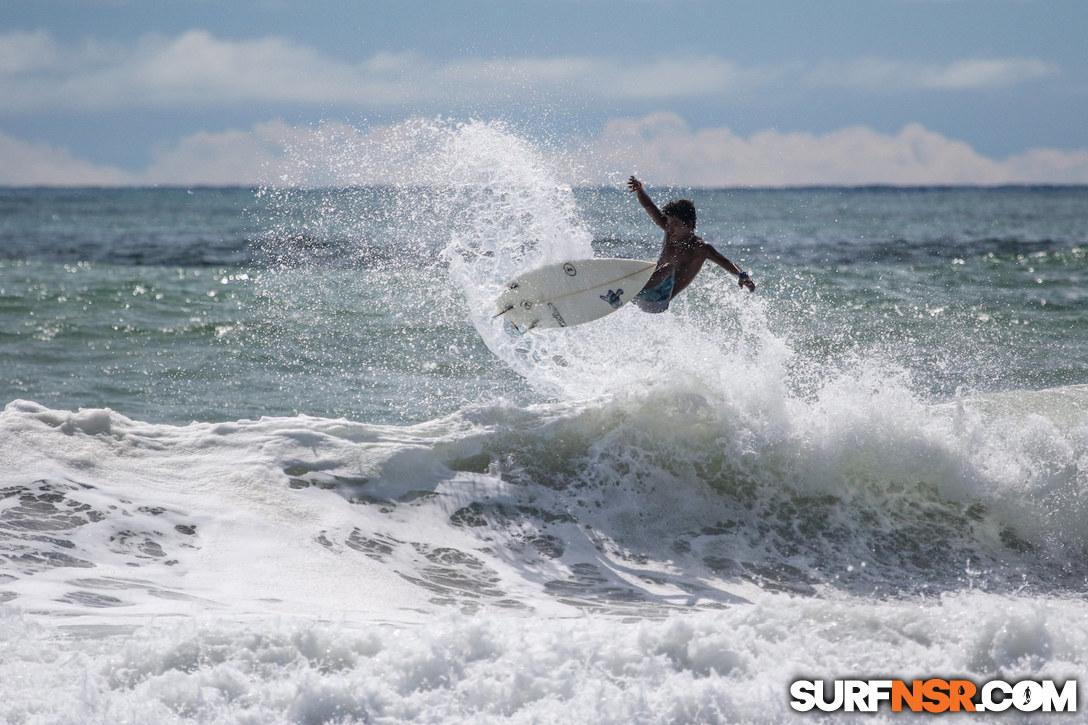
column 848, row 434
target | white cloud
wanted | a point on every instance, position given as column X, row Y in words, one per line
column 1050, row 166
column 329, row 154
column 888, row 75
column 192, row 68
column 40, row 164
column 602, row 78
column 197, row 68
column 663, row 149
column 234, row 157
column 272, row 153
column 23, row 52
column 660, row 147
column 993, row 73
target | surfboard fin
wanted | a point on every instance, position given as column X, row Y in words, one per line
column 509, row 307
column 533, row 324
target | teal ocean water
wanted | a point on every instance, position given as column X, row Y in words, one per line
column 266, row 456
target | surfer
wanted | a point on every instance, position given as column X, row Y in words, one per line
column 682, row 253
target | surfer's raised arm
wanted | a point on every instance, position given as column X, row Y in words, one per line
column 648, row 204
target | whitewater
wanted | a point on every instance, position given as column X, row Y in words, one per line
column 266, row 456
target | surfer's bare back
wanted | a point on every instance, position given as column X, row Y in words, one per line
column 682, row 253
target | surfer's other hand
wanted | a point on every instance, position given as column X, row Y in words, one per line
column 634, row 184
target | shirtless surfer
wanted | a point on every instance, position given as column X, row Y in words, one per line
column 682, row 254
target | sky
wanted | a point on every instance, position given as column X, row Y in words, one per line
column 690, row 92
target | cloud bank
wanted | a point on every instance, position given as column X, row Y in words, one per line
column 661, row 147
column 880, row 74
column 41, row 164
column 42, row 77
column 37, row 73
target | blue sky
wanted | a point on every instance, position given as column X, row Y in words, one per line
column 722, row 92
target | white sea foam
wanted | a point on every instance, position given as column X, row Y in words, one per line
column 653, row 497
column 714, row 667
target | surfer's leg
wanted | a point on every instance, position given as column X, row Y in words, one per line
column 656, row 298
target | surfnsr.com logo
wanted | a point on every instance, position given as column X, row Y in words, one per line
column 934, row 695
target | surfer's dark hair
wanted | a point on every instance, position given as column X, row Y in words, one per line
column 682, row 209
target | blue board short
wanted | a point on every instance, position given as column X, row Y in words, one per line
column 655, row 299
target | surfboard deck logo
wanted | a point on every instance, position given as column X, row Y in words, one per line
column 571, row 293
column 614, row 298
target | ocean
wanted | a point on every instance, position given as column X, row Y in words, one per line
column 266, row 456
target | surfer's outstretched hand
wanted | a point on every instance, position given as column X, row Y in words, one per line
column 634, row 184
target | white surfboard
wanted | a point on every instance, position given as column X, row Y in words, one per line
column 570, row 293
